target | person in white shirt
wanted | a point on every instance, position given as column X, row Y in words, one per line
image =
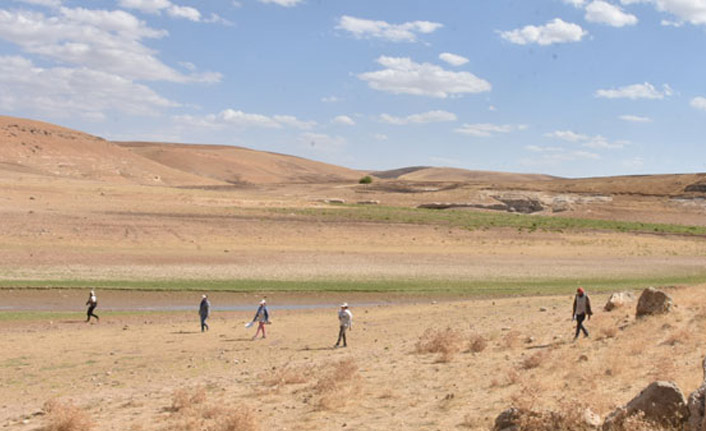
column 92, row 304
column 345, row 321
column 582, row 308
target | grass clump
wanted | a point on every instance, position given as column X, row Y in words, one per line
column 185, row 399
column 447, row 342
column 65, row 417
column 337, row 384
column 477, row 343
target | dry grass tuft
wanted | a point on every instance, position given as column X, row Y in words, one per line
column 510, row 340
column 338, row 382
column 447, row 342
column 65, row 417
column 609, row 332
column 477, row 343
column 185, row 399
column 534, row 360
column 240, row 419
column 287, row 376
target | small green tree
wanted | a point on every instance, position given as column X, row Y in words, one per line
column 366, row 180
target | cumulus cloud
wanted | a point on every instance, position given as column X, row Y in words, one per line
column 595, row 142
column 698, row 103
column 691, row 11
column 368, row 29
column 635, row 119
column 62, row 91
column 404, row 76
column 343, row 120
column 47, row 3
column 244, row 120
column 426, row 117
column 555, row 31
column 575, row 3
column 285, row 3
column 108, row 41
column 171, row 9
column 636, row 91
column 602, row 12
column 486, row 130
column 453, row 59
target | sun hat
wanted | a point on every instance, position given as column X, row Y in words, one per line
column 579, row 290
column 203, row 296
column 263, row 302
column 344, row 305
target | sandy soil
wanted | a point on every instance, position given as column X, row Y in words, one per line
column 124, row 372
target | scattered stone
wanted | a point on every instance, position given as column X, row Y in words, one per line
column 583, row 358
column 618, row 300
column 660, row 402
column 542, row 309
column 697, row 406
column 530, row 340
column 653, row 301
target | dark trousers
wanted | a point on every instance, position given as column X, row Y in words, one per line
column 342, row 336
column 579, row 325
column 204, row 325
column 89, row 313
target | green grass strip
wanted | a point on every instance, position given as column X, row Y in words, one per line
column 470, row 219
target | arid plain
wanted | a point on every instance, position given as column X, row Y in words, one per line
column 152, row 226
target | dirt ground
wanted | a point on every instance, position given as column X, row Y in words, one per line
column 157, row 371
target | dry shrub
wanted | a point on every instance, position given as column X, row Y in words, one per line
column 447, row 342
column 477, row 343
column 511, row 340
column 65, row 417
column 510, row 378
column 287, row 376
column 534, row 360
column 609, row 332
column 338, row 382
column 240, row 419
column 185, row 399
column 637, row 422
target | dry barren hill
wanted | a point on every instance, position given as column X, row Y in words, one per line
column 427, row 173
column 236, row 165
column 41, row 148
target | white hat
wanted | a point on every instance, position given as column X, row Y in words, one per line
column 93, row 293
column 203, row 296
column 263, row 302
column 344, row 305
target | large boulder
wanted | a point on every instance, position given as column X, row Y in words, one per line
column 618, row 300
column 653, row 301
column 660, row 402
column 697, row 406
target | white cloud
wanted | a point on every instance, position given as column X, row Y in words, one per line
column 596, row 142
column 243, row 120
column 426, row 117
column 47, row 3
column 404, row 76
column 543, row 149
column 146, row 6
column 692, row 11
column 567, row 135
column 453, row 59
column 61, row 92
column 380, row 137
column 285, row 3
column 367, row 29
column 343, row 120
column 555, row 31
column 698, row 103
column 108, row 41
column 575, row 3
column 605, row 13
column 635, row 119
column 636, row 91
column 486, row 130
column 331, row 99
column 173, row 10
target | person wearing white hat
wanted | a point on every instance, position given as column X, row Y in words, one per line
column 345, row 322
column 204, row 312
column 92, row 304
column 262, row 317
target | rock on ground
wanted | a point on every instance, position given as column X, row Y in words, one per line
column 653, row 301
column 618, row 300
column 660, row 402
column 697, row 406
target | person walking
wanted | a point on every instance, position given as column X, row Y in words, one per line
column 262, row 317
column 582, row 308
column 92, row 303
column 204, row 312
column 345, row 322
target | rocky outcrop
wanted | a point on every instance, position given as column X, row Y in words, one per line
column 697, row 406
column 696, row 187
column 523, row 205
column 618, row 300
column 660, row 403
column 653, row 301
column 515, row 419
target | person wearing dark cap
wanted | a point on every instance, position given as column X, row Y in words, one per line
column 204, row 312
column 582, row 308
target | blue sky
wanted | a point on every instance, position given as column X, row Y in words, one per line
column 566, row 87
